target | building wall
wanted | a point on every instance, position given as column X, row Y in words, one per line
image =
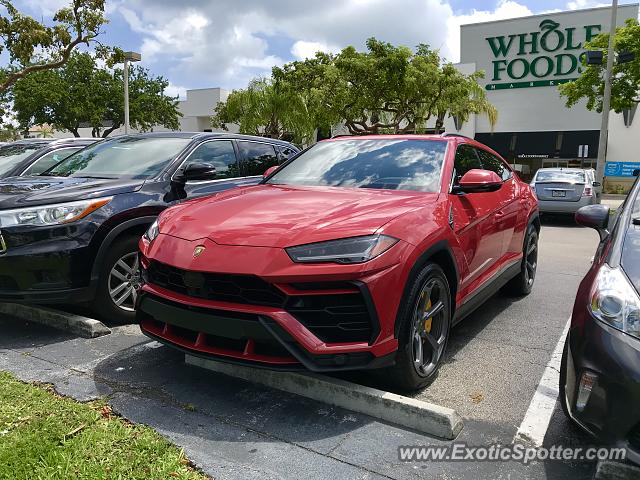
column 522, row 107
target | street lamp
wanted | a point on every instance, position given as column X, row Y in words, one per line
column 128, row 57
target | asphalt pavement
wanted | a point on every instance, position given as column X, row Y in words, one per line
column 234, row 429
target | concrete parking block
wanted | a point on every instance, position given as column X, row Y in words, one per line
column 418, row 415
column 608, row 470
column 76, row 324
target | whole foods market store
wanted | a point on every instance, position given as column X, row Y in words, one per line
column 524, row 60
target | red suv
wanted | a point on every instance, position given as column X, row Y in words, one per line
column 360, row 252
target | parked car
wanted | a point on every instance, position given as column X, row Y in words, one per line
column 600, row 369
column 34, row 156
column 361, row 252
column 597, row 186
column 71, row 235
column 564, row 190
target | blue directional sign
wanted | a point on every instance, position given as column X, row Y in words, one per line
column 620, row 169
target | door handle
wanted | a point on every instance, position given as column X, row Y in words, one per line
column 500, row 214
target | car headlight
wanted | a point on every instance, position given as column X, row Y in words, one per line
column 346, row 250
column 152, row 233
column 56, row 214
column 615, row 301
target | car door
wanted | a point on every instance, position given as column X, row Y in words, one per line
column 508, row 207
column 222, row 155
column 472, row 220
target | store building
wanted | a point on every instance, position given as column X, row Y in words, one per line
column 524, row 59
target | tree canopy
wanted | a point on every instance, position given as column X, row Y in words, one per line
column 82, row 94
column 386, row 89
column 625, row 76
column 34, row 46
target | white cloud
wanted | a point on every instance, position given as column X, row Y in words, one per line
column 578, row 4
column 176, row 91
column 504, row 9
column 303, row 49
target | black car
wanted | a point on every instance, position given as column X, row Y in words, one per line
column 600, row 370
column 34, row 156
column 71, row 235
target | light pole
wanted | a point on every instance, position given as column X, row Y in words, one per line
column 606, row 99
column 128, row 57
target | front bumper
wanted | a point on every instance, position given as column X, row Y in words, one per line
column 564, row 206
column 612, row 413
column 263, row 309
column 47, row 264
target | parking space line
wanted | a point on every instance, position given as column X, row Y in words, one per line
column 536, row 421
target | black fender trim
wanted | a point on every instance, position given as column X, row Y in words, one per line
column 440, row 246
column 109, row 239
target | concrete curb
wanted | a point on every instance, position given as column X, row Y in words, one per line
column 425, row 417
column 76, row 324
column 609, row 470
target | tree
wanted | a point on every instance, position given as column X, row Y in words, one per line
column 386, row 89
column 34, row 47
column 9, row 133
column 625, row 76
column 81, row 94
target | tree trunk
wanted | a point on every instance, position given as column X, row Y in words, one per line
column 440, row 123
column 108, row 131
column 74, row 130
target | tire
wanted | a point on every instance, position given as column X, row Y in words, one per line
column 113, row 275
column 521, row 284
column 421, row 336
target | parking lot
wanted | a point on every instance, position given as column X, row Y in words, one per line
column 233, row 429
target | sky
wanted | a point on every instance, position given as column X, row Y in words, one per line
column 226, row 43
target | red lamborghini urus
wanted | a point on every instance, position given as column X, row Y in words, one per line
column 361, row 252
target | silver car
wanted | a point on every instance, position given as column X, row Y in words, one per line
column 564, row 190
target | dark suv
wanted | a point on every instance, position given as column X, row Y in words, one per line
column 36, row 155
column 71, row 234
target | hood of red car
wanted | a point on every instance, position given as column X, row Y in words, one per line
column 281, row 216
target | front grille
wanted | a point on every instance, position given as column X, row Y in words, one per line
column 634, row 438
column 244, row 289
column 333, row 318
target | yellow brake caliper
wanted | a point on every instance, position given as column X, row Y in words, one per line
column 427, row 322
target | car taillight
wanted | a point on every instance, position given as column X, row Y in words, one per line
column 587, row 192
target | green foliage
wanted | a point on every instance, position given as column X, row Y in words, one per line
column 9, row 133
column 45, row 436
column 387, row 89
column 33, row 46
column 80, row 93
column 626, row 76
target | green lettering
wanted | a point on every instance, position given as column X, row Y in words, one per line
column 570, row 45
column 498, row 45
column 498, row 67
column 512, row 64
column 524, row 42
column 534, row 66
column 573, row 64
column 591, row 31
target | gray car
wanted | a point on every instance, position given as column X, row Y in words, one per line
column 564, row 190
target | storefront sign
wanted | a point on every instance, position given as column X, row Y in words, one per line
column 552, row 55
column 620, row 169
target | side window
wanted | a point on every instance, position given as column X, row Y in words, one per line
column 493, row 163
column 220, row 154
column 466, row 159
column 47, row 161
column 286, row 153
column 257, row 157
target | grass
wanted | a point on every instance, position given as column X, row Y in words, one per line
column 45, row 436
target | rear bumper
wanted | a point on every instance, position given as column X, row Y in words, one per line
column 564, row 206
column 611, row 414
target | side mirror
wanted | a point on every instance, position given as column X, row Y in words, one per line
column 195, row 171
column 596, row 184
column 477, row 180
column 270, row 170
column 596, row 217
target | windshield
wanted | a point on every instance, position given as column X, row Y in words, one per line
column 127, row 157
column 11, row 155
column 559, row 176
column 384, row 164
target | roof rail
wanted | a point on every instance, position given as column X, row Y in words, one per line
column 73, row 139
column 455, row 135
